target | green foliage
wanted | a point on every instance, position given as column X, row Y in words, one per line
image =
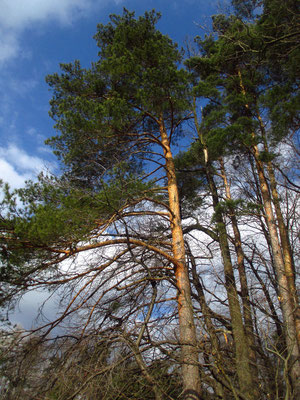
column 245, row 8
column 236, row 207
column 190, row 179
column 249, row 68
column 102, row 114
column 279, row 28
column 108, row 117
column 52, row 213
column 102, row 111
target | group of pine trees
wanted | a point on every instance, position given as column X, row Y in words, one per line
column 169, row 241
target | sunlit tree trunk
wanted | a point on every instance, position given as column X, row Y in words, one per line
column 190, row 362
column 285, row 294
column 286, row 249
column 283, row 272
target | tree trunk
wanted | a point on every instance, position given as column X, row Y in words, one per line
column 286, row 250
column 286, row 297
column 190, row 362
column 240, row 341
column 243, row 282
column 284, row 238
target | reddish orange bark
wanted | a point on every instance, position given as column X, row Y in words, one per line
column 190, row 362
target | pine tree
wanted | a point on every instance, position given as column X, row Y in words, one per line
column 246, row 78
column 114, row 118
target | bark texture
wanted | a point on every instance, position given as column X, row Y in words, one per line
column 190, row 362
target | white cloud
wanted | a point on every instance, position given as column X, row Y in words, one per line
column 9, row 46
column 9, row 174
column 16, row 166
column 31, row 131
column 28, row 308
column 20, row 159
column 17, row 15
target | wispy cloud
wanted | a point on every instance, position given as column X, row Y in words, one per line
column 9, row 45
column 17, row 15
column 17, row 166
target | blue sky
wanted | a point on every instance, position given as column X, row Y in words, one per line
column 35, row 36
